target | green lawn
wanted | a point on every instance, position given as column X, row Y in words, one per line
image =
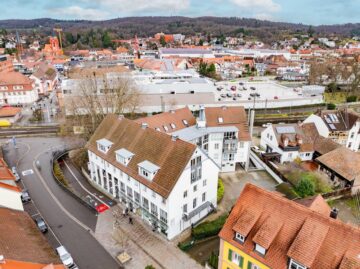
column 335, row 98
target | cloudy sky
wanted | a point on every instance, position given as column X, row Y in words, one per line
column 298, row 11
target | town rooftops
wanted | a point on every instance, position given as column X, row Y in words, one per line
column 231, row 116
column 300, row 136
column 338, row 120
column 14, row 79
column 20, row 240
column 146, row 144
column 171, row 121
column 9, row 111
column 193, row 132
column 343, row 161
column 185, row 51
column 287, row 229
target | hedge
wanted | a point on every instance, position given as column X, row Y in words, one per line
column 185, row 246
column 209, row 228
column 220, row 190
column 59, row 174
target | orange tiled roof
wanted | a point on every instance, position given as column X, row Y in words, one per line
column 11, row 79
column 12, row 264
column 316, row 203
column 5, row 172
column 232, row 116
column 146, row 144
column 310, row 238
column 167, row 118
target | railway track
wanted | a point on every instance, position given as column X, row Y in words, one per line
column 25, row 131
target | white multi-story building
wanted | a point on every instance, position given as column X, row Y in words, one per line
column 170, row 183
column 222, row 132
column 341, row 126
column 287, row 142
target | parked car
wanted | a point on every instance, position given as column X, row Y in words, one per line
column 238, row 95
column 241, row 83
column 223, row 95
column 252, row 88
column 25, row 196
column 17, row 177
column 229, row 95
column 65, row 256
column 244, row 88
column 40, row 223
column 276, row 97
column 233, row 88
column 265, row 125
column 219, row 88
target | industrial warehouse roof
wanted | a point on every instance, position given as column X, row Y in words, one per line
column 146, row 144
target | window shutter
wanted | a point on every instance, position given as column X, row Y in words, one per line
column 241, row 261
column 249, row 265
column 230, row 255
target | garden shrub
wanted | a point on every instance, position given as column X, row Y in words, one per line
column 220, row 190
column 209, row 228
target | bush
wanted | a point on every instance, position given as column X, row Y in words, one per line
column 220, row 190
column 209, row 228
column 59, row 174
column 213, row 260
column 305, row 187
column 149, row 267
column 352, row 98
column 331, row 106
column 185, row 246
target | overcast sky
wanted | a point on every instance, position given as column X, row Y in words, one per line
column 298, row 11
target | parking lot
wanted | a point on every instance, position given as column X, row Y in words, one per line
column 239, row 90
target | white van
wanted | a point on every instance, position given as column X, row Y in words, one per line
column 65, row 256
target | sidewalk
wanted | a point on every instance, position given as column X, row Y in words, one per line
column 144, row 246
column 115, row 234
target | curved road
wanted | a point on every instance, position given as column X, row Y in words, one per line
column 71, row 222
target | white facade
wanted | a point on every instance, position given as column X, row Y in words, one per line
column 349, row 139
column 18, row 97
column 270, row 144
column 10, row 199
column 189, row 201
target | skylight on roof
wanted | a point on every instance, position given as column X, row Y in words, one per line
column 173, row 125
column 165, row 128
column 185, row 122
column 285, row 129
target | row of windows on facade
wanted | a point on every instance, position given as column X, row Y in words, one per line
column 5, row 88
column 131, row 194
column 238, row 259
column 194, row 203
column 13, row 93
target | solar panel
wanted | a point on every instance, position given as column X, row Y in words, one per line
column 332, row 126
column 328, row 120
column 285, row 129
column 335, row 118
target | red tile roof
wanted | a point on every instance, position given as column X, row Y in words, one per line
column 9, row 111
column 305, row 235
column 146, row 144
column 12, row 264
column 167, row 118
column 11, row 79
column 232, row 116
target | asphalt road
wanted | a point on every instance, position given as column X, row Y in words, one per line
column 69, row 220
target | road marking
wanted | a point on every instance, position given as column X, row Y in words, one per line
column 81, row 185
column 35, row 214
column 27, row 172
column 55, row 198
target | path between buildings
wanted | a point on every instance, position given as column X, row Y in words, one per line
column 145, row 247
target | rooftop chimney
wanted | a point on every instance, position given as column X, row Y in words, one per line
column 334, row 213
column 144, row 125
column 201, row 120
column 174, row 137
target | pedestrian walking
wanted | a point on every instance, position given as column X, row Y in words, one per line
column 130, row 220
column 124, row 212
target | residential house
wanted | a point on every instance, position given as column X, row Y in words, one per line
column 221, row 132
column 45, row 78
column 265, row 230
column 6, row 64
column 10, row 193
column 286, row 142
column 16, row 88
column 342, row 167
column 22, row 244
column 342, row 126
column 10, row 114
column 170, row 183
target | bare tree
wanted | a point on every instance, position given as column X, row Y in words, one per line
column 96, row 96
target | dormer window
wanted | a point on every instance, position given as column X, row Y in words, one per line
column 123, row 156
column 294, row 265
column 173, row 125
column 185, row 123
column 148, row 170
column 157, row 129
column 220, row 120
column 259, row 249
column 104, row 145
column 165, row 128
column 239, row 237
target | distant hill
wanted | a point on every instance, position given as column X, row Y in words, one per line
column 145, row 26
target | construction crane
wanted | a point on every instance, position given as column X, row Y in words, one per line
column 59, row 30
